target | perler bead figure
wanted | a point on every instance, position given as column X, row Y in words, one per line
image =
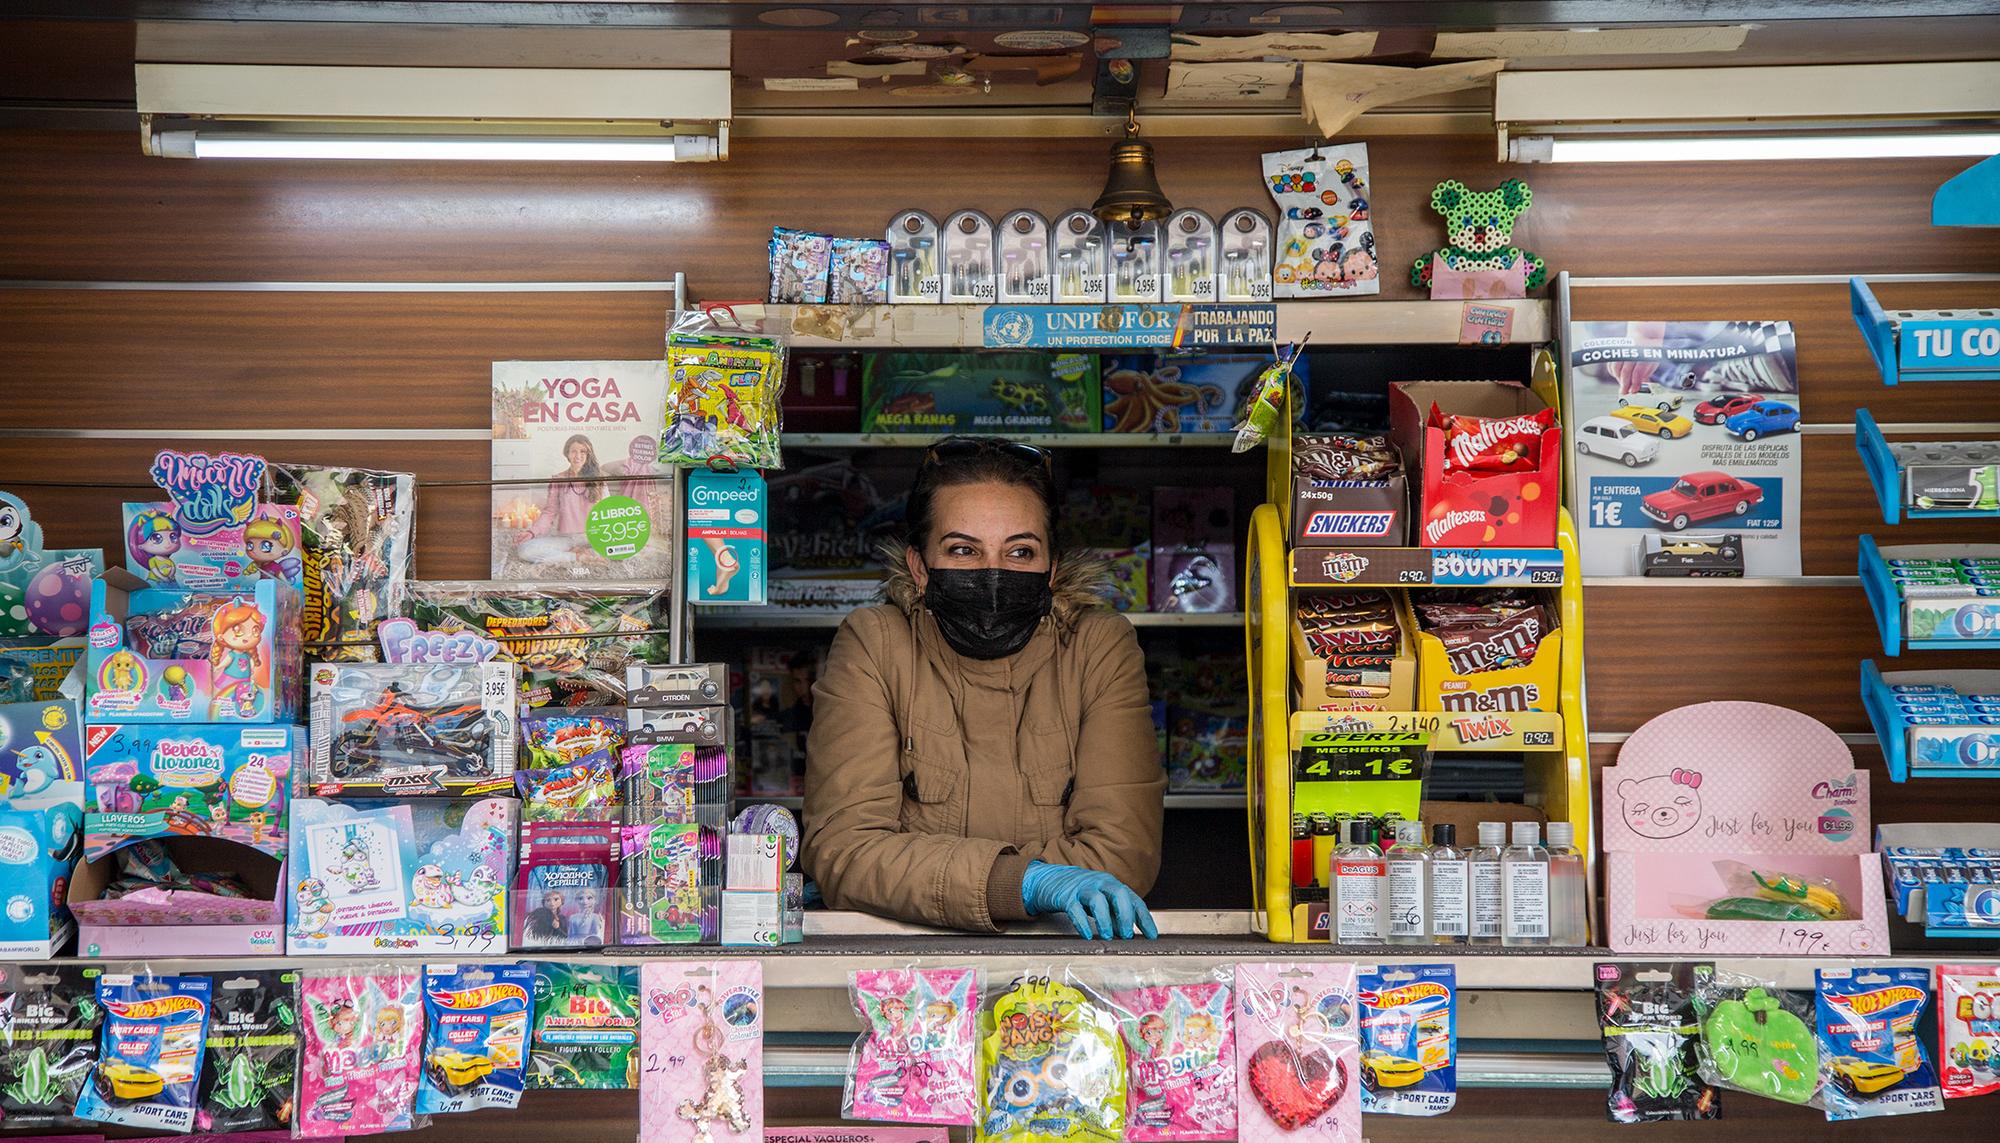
column 1480, row 231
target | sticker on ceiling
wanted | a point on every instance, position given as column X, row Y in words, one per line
column 916, row 51
column 1334, row 95
column 882, row 36
column 933, row 91
column 1040, row 41
column 1243, row 84
column 798, row 17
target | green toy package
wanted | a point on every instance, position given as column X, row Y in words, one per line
column 586, row 1027
column 252, row 1062
column 1650, row 1029
column 1054, row 1065
column 1756, row 1037
column 48, row 1043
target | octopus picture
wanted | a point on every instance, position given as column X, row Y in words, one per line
column 1152, row 402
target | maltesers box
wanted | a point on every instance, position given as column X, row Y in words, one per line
column 1708, row 800
column 1461, row 509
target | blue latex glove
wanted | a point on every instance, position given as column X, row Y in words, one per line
column 1087, row 896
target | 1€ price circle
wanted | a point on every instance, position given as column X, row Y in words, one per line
column 617, row 527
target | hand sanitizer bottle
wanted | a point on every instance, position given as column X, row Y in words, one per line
column 1357, row 888
column 1483, row 868
column 1406, row 887
column 1450, row 907
column 1524, row 887
column 1569, row 889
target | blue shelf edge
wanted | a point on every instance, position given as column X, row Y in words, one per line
column 1876, row 328
column 1883, row 471
column 1963, row 934
column 1882, row 597
column 1880, row 705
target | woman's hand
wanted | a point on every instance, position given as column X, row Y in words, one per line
column 1087, row 896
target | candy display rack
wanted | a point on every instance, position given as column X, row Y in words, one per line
column 1930, row 620
column 1890, row 464
column 1930, row 748
column 1924, row 345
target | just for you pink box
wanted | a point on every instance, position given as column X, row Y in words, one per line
column 1737, row 828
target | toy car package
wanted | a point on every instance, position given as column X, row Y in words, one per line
column 1039, row 1031
column 251, row 1065
column 707, row 1018
column 1409, row 1038
column 1969, row 1029
column 1650, row 1028
column 149, row 1061
column 412, row 729
column 358, row 1057
column 916, row 1062
column 1756, row 1037
column 1297, row 1051
column 1180, row 1051
column 475, row 1036
column 586, row 1032
column 1871, row 1058
column 573, row 642
column 48, row 1043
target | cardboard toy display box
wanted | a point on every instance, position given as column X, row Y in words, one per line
column 183, row 922
column 1534, row 685
column 1324, row 686
column 128, row 684
column 1461, row 509
column 981, row 393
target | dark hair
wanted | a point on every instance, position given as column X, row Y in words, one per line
column 958, row 460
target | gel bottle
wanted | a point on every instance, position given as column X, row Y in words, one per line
column 1450, row 908
column 1483, row 870
column 1569, row 889
column 1524, row 887
column 1357, row 876
column 1406, row 887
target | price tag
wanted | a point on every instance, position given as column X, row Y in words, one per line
column 1807, row 942
column 1316, row 767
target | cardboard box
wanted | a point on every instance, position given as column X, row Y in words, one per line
column 37, row 854
column 422, row 876
column 183, row 923
column 650, row 685
column 152, row 780
column 1350, row 513
column 1460, row 509
column 727, row 516
column 129, row 682
column 939, row 393
column 1537, row 685
column 694, row 725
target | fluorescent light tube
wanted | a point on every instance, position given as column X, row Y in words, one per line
column 591, row 150
column 1717, row 148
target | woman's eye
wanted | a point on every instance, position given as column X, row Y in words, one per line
column 958, row 550
column 1023, row 553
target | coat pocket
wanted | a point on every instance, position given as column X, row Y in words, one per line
column 932, row 802
column 1050, row 781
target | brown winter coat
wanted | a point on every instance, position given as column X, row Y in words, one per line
column 932, row 779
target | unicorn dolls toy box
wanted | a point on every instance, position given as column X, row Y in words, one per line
column 173, row 655
column 419, row 876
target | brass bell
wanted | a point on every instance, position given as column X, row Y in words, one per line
column 1132, row 193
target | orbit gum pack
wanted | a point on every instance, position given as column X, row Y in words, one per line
column 1871, row 1058
column 475, row 1036
column 1969, row 1029
column 48, row 1043
column 155, row 1028
column 586, row 1031
column 252, row 1060
column 1409, row 1038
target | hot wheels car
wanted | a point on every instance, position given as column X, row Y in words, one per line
column 1701, row 496
column 1718, row 409
column 1379, row 1069
column 1614, row 437
column 125, row 1082
column 1857, row 1076
column 453, row 1070
column 1762, row 419
column 1665, row 423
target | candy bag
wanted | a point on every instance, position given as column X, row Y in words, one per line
column 1492, row 444
column 149, row 1061
column 586, row 1027
column 1409, row 1038
column 1297, row 1053
column 475, row 1036
column 701, row 1030
column 1755, row 1037
column 1265, row 410
column 585, row 790
column 251, row 1065
column 48, row 1043
column 1650, row 1030
column 359, row 1055
column 1054, row 1067
column 1871, row 1060
column 1180, row 1053
column 915, row 1062
column 1969, row 1029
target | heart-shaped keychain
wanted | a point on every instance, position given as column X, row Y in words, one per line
column 1295, row 1089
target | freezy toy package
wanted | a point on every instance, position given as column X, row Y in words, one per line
column 359, row 1057
column 155, row 1030
column 1409, row 1038
column 1297, row 1053
column 423, row 876
column 701, row 1032
column 1872, row 1058
column 915, row 1064
column 475, row 1036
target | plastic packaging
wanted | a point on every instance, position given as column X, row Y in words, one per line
column 1650, row 1031
column 913, row 257
column 586, row 790
column 586, row 1031
column 1756, row 1037
column 1246, row 256
column 1265, row 411
column 149, row 1061
column 701, row 1032
column 1325, row 241
column 565, row 885
column 1297, row 1052
column 1054, row 1067
column 1969, row 1029
column 722, row 396
column 573, row 642
column 1079, row 256
column 358, row 1059
column 355, row 537
column 1179, row 1032
column 250, row 1070
column 859, row 272
column 1773, row 895
column 475, row 1036
column 1409, row 1038
column 411, row 729
column 48, row 1043
column 915, row 1062
column 1871, row 1057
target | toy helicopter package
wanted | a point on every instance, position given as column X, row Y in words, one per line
column 149, row 1060
column 1969, row 1028
column 475, row 1036
column 48, row 1043
column 252, row 1059
column 397, row 729
column 1756, row 1037
column 1409, row 1038
column 1871, row 1058
column 586, row 1033
column 1650, row 1029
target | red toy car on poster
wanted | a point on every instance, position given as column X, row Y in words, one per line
column 1718, row 409
column 1701, row 496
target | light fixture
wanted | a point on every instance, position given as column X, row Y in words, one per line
column 274, row 145
column 1716, row 148
column 1132, row 193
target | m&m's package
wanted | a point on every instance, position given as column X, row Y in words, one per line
column 251, row 1065
column 1180, row 1055
column 586, row 1031
column 48, row 1043
column 1969, row 1029
column 155, row 1028
column 916, row 1062
column 1041, row 1031
column 1650, row 1030
column 1297, row 1053
column 1871, row 1060
column 475, row 1036
column 358, row 1058
column 1409, row 1038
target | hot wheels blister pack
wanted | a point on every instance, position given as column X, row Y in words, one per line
column 155, row 1029
column 1409, row 1038
column 1871, row 1059
column 475, row 1036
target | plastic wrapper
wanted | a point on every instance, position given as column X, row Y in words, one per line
column 1756, row 1037
column 915, row 1061
column 701, row 1030
column 586, row 1030
column 799, row 264
column 1969, row 1029
column 355, row 532
column 1264, row 412
column 1768, row 894
column 250, row 1071
column 565, row 885
column 557, row 736
column 155, row 1032
column 572, row 643
column 586, row 790
column 1871, row 1056
column 1325, row 239
column 1054, row 1067
column 1297, row 1052
column 1178, row 1030
column 359, row 1055
column 411, row 729
column 1650, row 1034
column 475, row 1036
column 723, row 387
column 48, row 1043
column 1492, row 444
column 1409, row 1038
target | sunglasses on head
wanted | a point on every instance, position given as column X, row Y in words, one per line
column 961, row 448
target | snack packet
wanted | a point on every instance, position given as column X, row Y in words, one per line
column 1054, row 1066
column 149, row 1061
column 1871, row 1060
column 358, row 1057
column 1409, row 1038
column 702, row 1034
column 722, row 396
column 475, row 1036
column 1297, row 1053
column 585, row 790
column 1492, row 444
column 586, row 1031
column 48, row 1043
column 1969, row 1029
column 1650, row 1029
column 251, row 1066
column 1756, row 1037
column 1180, row 1056
column 915, row 1062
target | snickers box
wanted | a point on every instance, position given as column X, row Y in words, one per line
column 1349, row 513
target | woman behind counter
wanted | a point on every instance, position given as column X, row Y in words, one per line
column 982, row 747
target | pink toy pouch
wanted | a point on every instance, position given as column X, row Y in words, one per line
column 1298, row 1053
column 916, row 1064
column 359, row 1054
column 701, row 1039
column 1180, row 1054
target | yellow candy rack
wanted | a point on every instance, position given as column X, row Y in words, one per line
column 1447, row 714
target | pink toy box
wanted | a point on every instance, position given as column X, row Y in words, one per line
column 1707, row 789
column 172, row 655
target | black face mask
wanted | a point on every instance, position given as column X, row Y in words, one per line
column 987, row 613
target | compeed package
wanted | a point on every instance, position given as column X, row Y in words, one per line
column 249, row 1072
column 475, row 1036
column 1054, row 1066
column 1648, row 1016
column 358, row 1057
column 149, row 1061
column 1409, row 1038
column 1969, row 1029
column 586, row 1027
column 1871, row 1059
column 48, row 1043
column 916, row 1062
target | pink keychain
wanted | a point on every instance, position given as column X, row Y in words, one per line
column 701, row 1035
column 359, row 1055
column 1297, row 1053
column 1180, row 1048
column 916, row 1063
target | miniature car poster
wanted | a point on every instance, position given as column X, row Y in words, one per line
column 48, row 1043
column 1682, row 428
column 148, row 1062
column 475, row 1036
column 251, row 1064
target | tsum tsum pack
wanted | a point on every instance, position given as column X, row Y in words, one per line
column 359, row 1056
column 1409, row 1038
column 422, row 876
column 915, row 1064
column 1054, row 1067
column 1180, row 1058
column 42, row 593
column 249, row 1071
column 1297, row 1053
column 155, row 1030
column 586, row 1032
column 1969, row 1029
column 475, row 1036
column 48, row 1043
column 1871, row 1055
column 701, row 1031
column 1325, row 240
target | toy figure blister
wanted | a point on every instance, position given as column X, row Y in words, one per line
column 251, row 1066
column 1409, row 1038
column 155, row 781
column 427, row 875
column 586, row 1031
column 155, row 1029
column 1297, row 1052
column 1054, row 1067
column 172, row 655
column 359, row 1058
column 1871, row 1056
column 475, row 1036
column 1969, row 1029
column 1650, row 1029
column 701, row 1033
column 41, row 592
column 355, row 528
column 1180, row 1052
column 573, row 644
column 48, row 1043
column 915, row 1064
column 1326, row 242
column 722, row 397
column 410, row 729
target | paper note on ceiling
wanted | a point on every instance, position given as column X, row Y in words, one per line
column 1588, row 42
column 1273, row 45
column 1333, row 95
column 876, row 70
column 810, row 83
column 1230, row 84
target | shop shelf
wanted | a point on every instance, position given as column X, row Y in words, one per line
column 1521, row 730
column 1886, row 330
column 1898, row 737
column 1887, row 464
column 1893, row 609
column 1417, row 567
column 1039, row 440
column 790, row 617
column 1216, row 800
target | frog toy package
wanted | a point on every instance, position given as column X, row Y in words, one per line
column 1871, row 1057
column 149, row 1061
column 586, row 1033
column 915, row 1064
column 1297, row 1053
column 1054, row 1064
column 42, row 593
column 1650, row 1034
column 427, row 875
column 359, row 1054
column 475, row 1036
column 48, row 1043
column 1409, row 1038
column 252, row 1061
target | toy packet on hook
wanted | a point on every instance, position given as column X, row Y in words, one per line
column 1297, row 1053
column 701, row 1034
column 48, row 1043
column 1650, row 1030
column 358, row 1058
column 1871, row 1057
column 475, row 1036
column 1326, row 242
column 250, row 1069
column 155, row 1029
column 1969, row 1029
column 1409, row 1038
column 586, row 1032
column 1054, row 1067
column 1265, row 410
column 1180, row 1051
column 723, row 387
column 1756, row 1037
column 915, row 1064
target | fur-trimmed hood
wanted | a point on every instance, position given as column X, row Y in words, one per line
column 1078, row 584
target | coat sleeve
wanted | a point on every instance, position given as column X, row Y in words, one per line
column 1115, row 814
column 855, row 846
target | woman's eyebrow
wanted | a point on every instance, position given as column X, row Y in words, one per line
column 1036, row 536
column 959, row 536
